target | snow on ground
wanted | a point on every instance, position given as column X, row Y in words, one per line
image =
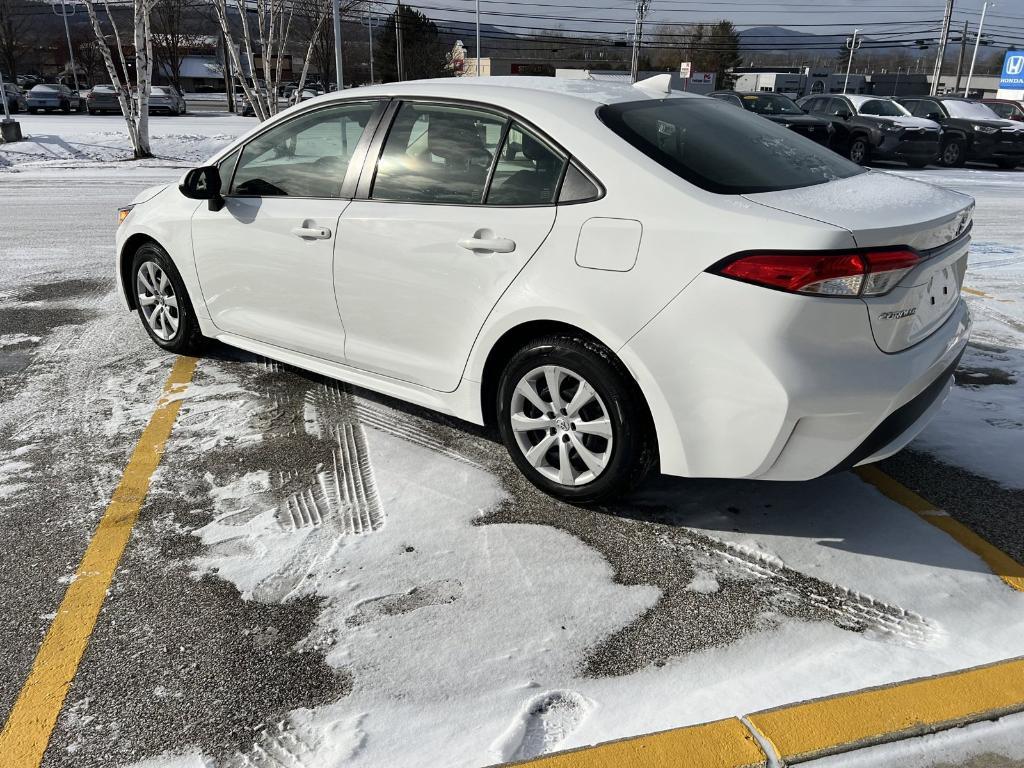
column 82, row 140
column 998, row 744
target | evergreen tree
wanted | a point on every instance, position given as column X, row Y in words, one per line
column 423, row 52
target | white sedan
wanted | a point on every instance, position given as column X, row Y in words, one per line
column 619, row 277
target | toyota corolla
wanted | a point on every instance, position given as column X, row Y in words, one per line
column 619, row 277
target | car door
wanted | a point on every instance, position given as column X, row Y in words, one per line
column 265, row 260
column 459, row 201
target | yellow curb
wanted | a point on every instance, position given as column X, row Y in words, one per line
column 849, row 721
column 719, row 744
column 26, row 734
column 1001, row 564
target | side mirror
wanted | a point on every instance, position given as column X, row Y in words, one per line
column 934, row 116
column 203, row 184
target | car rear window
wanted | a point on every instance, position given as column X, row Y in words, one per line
column 722, row 149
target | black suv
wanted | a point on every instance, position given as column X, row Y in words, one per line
column 971, row 131
column 779, row 109
column 867, row 128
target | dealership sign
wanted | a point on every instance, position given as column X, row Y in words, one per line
column 1012, row 77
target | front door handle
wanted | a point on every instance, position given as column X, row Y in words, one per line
column 484, row 241
column 312, row 233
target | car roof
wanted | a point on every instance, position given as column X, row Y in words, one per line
column 862, row 98
column 497, row 88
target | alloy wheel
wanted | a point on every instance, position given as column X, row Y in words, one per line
column 561, row 425
column 157, row 300
column 951, row 153
column 858, row 151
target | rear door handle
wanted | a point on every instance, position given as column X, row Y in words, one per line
column 312, row 233
column 488, row 244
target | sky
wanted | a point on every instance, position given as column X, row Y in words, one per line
column 615, row 17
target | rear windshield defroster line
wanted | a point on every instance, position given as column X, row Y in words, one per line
column 721, row 149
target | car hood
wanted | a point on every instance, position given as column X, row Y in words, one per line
column 878, row 209
column 905, row 122
column 1016, row 125
column 148, row 194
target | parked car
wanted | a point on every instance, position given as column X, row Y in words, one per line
column 305, row 94
column 1006, row 109
column 165, row 99
column 102, row 98
column 780, row 109
column 53, row 97
column 619, row 277
column 867, row 128
column 16, row 101
column 971, row 131
column 27, row 81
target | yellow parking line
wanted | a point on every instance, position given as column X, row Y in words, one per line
column 975, row 292
column 1002, row 565
column 26, row 734
column 875, row 715
column 719, row 744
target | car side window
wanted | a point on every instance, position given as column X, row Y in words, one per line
column 438, row 153
column 577, row 187
column 815, row 106
column 1003, row 110
column 306, row 156
column 527, row 171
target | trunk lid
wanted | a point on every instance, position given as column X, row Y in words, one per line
column 883, row 210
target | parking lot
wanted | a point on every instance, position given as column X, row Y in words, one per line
column 324, row 576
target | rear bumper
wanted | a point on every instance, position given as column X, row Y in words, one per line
column 745, row 382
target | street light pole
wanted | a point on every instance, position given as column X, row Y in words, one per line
column 335, row 5
column 852, row 43
column 67, row 32
column 977, row 42
column 478, row 38
column 960, row 61
column 398, row 41
column 940, row 57
column 369, row 24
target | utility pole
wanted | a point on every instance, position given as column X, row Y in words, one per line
column 853, row 44
column 960, row 61
column 941, row 55
column 478, row 38
column 336, row 6
column 369, row 25
column 977, row 42
column 398, row 40
column 642, row 7
column 63, row 12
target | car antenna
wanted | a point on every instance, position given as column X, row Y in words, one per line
column 656, row 84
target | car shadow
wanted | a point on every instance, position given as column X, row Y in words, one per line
column 838, row 513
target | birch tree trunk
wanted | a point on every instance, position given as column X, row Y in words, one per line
column 138, row 131
column 143, row 73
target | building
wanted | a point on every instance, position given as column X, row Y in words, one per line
column 798, row 81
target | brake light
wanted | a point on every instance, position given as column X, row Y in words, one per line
column 857, row 273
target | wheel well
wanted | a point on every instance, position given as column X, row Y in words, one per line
column 124, row 267
column 512, row 340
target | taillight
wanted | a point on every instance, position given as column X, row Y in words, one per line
column 857, row 273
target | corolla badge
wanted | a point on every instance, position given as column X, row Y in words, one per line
column 899, row 313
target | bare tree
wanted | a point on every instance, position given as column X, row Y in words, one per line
column 135, row 110
column 176, row 29
column 275, row 24
column 15, row 24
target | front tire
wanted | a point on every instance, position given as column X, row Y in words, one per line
column 574, row 421
column 953, row 154
column 163, row 303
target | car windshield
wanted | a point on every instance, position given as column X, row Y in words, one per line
column 883, row 108
column 159, row 91
column 722, row 149
column 770, row 104
column 46, row 88
column 103, row 88
column 970, row 110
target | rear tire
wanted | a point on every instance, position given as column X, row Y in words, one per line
column 162, row 301
column 598, row 424
column 953, row 154
column 860, row 150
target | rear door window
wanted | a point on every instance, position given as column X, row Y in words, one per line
column 722, row 149
column 527, row 171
